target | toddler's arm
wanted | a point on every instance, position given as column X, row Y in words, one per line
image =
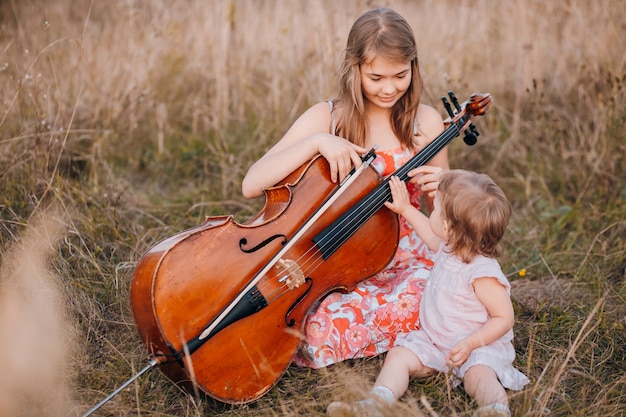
column 401, row 204
column 494, row 296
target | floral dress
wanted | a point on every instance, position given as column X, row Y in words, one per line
column 366, row 321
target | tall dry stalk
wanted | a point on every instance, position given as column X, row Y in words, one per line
column 36, row 334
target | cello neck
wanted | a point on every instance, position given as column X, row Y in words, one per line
column 425, row 155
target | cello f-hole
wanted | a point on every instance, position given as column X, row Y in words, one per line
column 243, row 242
column 291, row 322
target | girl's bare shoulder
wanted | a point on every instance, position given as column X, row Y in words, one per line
column 428, row 113
column 429, row 121
column 315, row 119
column 319, row 111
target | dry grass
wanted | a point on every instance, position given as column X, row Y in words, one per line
column 138, row 118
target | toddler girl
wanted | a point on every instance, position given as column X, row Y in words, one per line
column 466, row 312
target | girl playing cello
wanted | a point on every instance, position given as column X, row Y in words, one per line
column 378, row 104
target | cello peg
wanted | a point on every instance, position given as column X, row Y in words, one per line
column 471, row 135
column 454, row 101
column 447, row 106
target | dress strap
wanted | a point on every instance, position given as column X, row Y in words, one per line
column 333, row 123
column 415, row 126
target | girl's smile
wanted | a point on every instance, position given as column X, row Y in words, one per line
column 385, row 81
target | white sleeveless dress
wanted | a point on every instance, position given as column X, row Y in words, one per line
column 454, row 312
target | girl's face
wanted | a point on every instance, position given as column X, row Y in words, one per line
column 385, row 81
column 437, row 223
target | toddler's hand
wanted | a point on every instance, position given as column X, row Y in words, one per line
column 399, row 194
column 459, row 354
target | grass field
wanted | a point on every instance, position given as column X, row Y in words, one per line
column 123, row 122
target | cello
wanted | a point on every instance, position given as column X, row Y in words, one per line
column 221, row 306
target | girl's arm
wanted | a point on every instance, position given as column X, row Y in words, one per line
column 494, row 296
column 401, row 204
column 307, row 137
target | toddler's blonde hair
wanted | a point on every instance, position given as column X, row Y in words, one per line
column 477, row 213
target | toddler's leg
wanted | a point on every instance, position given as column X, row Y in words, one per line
column 482, row 384
column 391, row 383
column 400, row 363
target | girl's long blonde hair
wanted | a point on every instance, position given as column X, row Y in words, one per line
column 377, row 32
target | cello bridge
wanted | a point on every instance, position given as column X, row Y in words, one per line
column 294, row 276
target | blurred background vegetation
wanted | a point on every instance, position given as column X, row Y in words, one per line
column 138, row 118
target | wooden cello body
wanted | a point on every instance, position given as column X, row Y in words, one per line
column 221, row 306
column 184, row 282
